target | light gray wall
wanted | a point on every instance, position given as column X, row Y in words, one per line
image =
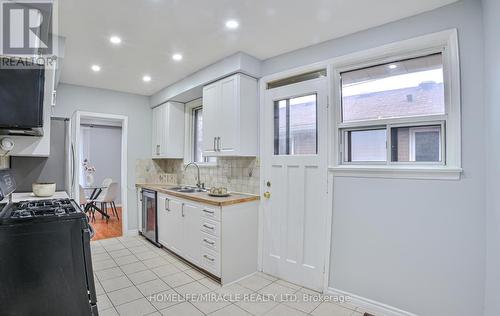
column 104, row 154
column 416, row 245
column 491, row 16
column 71, row 98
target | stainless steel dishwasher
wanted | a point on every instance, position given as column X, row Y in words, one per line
column 149, row 216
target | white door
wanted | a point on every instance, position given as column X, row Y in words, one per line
column 295, row 176
column 210, row 118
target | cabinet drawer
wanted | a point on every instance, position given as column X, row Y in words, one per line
column 211, row 213
column 210, row 242
column 210, row 227
column 210, row 261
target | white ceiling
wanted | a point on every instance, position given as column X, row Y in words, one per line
column 152, row 30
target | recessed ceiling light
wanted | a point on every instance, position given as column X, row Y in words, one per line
column 115, row 40
column 177, row 57
column 393, row 66
column 232, row 24
column 146, row 78
column 96, row 68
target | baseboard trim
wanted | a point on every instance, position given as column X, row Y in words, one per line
column 132, row 232
column 370, row 306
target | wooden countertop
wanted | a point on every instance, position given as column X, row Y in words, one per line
column 201, row 197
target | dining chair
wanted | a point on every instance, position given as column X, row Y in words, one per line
column 105, row 185
column 85, row 203
column 109, row 198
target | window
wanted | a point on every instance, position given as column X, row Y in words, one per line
column 194, row 134
column 416, row 144
column 197, row 114
column 407, row 88
column 400, row 112
column 365, row 145
column 295, row 126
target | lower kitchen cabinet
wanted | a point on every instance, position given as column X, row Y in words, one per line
column 219, row 239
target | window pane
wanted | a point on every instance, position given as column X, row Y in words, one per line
column 407, row 88
column 421, row 144
column 280, row 127
column 365, row 146
column 198, row 137
column 303, row 130
column 295, row 126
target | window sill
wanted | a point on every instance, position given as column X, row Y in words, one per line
column 397, row 172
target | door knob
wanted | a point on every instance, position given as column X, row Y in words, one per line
column 267, row 194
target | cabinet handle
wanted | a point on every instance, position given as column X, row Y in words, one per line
column 157, row 149
column 209, row 227
column 182, row 211
column 209, row 258
column 218, row 143
column 215, row 141
column 208, row 241
column 209, row 212
column 167, row 208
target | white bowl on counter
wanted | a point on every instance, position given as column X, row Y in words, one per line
column 43, row 189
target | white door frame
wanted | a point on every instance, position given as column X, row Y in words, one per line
column 327, row 64
column 76, row 119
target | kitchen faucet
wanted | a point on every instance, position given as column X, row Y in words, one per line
column 198, row 182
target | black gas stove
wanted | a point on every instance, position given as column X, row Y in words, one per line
column 46, row 265
column 44, row 208
column 40, row 210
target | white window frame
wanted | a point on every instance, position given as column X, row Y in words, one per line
column 189, row 134
column 446, row 43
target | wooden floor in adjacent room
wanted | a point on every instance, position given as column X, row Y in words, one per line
column 110, row 229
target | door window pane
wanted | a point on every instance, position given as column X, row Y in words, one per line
column 280, row 127
column 407, row 88
column 295, row 126
column 422, row 144
column 365, row 146
column 198, row 137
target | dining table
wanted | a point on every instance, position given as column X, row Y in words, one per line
column 96, row 191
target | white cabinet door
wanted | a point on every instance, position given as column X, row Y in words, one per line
column 155, row 144
column 162, row 217
column 173, row 227
column 191, row 233
column 211, row 121
column 168, row 131
column 228, row 119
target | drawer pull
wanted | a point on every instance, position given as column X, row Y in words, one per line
column 209, row 227
column 207, row 257
column 209, row 212
column 208, row 241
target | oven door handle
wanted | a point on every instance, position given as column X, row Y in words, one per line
column 87, row 233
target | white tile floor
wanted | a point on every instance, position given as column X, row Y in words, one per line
column 133, row 277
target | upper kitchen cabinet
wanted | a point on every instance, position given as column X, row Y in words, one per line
column 168, row 131
column 230, row 110
column 30, row 140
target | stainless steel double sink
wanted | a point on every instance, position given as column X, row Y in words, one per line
column 187, row 189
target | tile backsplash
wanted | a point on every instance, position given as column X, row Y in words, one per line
column 4, row 162
column 236, row 173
